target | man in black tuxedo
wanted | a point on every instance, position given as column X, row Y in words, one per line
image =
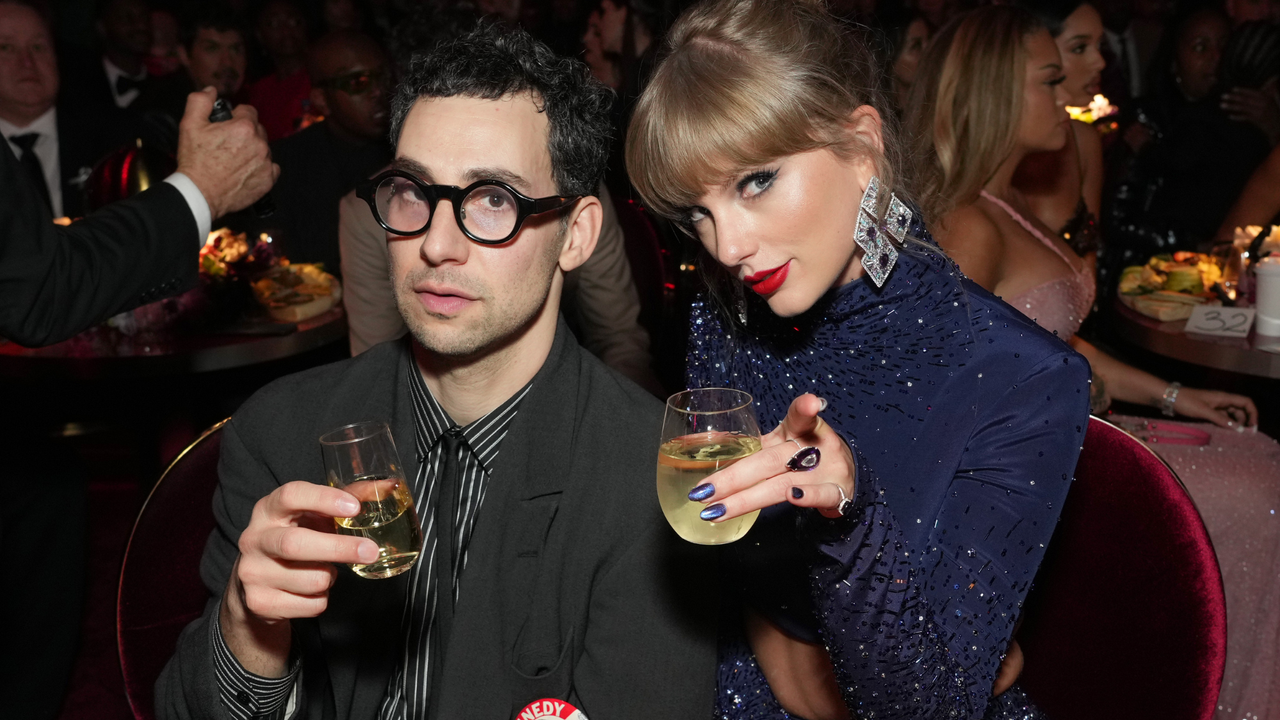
column 55, row 282
column 113, row 78
column 547, row 569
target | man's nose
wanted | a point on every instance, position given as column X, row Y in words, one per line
column 444, row 241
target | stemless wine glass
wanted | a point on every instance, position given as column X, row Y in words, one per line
column 704, row 430
column 361, row 459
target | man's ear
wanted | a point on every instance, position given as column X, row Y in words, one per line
column 318, row 102
column 183, row 57
column 583, row 231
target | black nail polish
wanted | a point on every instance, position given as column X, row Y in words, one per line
column 797, row 493
column 712, row 512
column 702, row 492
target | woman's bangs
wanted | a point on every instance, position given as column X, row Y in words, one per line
column 702, row 122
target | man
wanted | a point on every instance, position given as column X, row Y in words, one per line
column 213, row 54
column 568, row 584
column 323, row 162
column 281, row 96
column 114, row 77
column 56, row 143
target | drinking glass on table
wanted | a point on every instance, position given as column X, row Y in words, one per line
column 361, row 459
column 704, row 430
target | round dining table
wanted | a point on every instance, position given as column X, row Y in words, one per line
column 246, row 343
column 1256, row 355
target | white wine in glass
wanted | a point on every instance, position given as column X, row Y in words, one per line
column 704, row 430
column 361, row 459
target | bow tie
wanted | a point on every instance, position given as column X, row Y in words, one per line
column 125, row 83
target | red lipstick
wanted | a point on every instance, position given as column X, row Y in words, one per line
column 767, row 281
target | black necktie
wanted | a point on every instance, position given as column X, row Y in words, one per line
column 451, row 444
column 124, row 84
column 31, row 164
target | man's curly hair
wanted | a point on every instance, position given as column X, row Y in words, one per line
column 492, row 62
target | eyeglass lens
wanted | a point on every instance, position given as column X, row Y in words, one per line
column 488, row 212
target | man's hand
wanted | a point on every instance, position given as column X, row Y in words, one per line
column 228, row 161
column 1256, row 107
column 285, row 570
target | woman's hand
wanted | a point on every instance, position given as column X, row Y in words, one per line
column 763, row 479
column 1220, row 408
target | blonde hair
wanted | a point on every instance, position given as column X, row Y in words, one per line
column 744, row 82
column 964, row 109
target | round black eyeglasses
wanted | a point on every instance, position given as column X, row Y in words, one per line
column 489, row 212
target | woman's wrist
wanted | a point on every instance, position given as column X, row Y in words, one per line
column 1168, row 399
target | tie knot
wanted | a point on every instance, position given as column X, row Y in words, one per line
column 25, row 142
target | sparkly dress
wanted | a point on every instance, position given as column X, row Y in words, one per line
column 1234, row 479
column 965, row 420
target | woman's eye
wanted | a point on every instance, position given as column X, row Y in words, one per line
column 1079, row 49
column 756, row 183
column 695, row 215
column 1057, row 81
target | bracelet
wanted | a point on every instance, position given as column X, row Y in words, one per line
column 1169, row 398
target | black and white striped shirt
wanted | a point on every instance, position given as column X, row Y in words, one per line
column 246, row 695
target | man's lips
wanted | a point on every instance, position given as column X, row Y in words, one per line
column 767, row 281
column 442, row 300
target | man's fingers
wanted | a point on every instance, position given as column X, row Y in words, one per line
column 298, row 497
column 270, row 603
column 199, row 105
column 298, row 544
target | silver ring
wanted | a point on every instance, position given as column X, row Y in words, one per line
column 845, row 503
column 805, row 459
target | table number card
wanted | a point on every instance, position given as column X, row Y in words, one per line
column 1221, row 321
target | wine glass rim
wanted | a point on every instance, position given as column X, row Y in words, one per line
column 745, row 397
column 374, row 427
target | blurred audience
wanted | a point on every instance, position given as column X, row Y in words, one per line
column 1183, row 161
column 281, row 97
column 213, row 54
column 1064, row 188
column 56, row 138
column 1122, row 79
column 351, row 80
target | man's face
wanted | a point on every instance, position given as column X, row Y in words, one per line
column 126, row 25
column 282, row 30
column 216, row 58
column 459, row 298
column 28, row 69
column 359, row 100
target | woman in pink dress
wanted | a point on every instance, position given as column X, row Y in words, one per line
column 985, row 100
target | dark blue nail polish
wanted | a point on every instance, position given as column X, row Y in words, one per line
column 702, row 492
column 712, row 512
column 797, row 493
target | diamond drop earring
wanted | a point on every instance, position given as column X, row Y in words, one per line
column 879, row 254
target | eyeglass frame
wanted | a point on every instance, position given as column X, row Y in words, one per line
column 525, row 205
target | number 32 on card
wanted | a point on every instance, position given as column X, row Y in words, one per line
column 1214, row 320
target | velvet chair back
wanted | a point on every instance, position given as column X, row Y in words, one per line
column 1126, row 618
column 160, row 587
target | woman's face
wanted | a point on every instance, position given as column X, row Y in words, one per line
column 1043, row 125
column 1082, row 62
column 908, row 60
column 1199, row 51
column 785, row 229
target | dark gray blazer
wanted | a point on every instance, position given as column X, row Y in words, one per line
column 575, row 587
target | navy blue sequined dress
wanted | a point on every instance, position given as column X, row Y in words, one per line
column 966, row 420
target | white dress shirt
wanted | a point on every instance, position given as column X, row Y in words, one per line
column 46, row 149
column 113, row 73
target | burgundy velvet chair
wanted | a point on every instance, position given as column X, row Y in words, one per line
column 160, row 587
column 1126, row 618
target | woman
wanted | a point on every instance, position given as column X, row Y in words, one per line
column 885, row 581
column 906, row 35
column 987, row 226
column 1064, row 188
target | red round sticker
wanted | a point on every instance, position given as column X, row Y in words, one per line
column 549, row 709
